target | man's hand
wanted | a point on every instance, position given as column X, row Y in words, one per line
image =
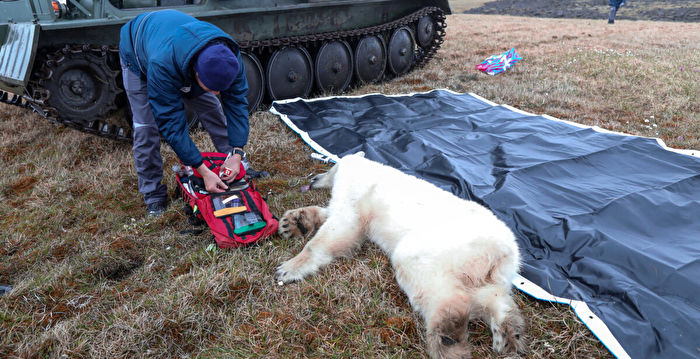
column 212, row 182
column 234, row 164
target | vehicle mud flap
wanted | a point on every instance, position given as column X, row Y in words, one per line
column 17, row 56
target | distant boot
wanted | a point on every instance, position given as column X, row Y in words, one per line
column 611, row 19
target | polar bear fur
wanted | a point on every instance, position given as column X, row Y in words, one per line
column 453, row 258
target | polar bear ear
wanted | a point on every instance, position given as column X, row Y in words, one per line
column 360, row 153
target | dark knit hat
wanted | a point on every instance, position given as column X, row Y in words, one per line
column 217, row 67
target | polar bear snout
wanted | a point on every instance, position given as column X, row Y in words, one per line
column 316, row 180
column 324, row 180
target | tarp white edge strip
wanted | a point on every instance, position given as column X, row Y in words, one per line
column 304, row 136
column 661, row 142
column 480, row 98
column 596, row 326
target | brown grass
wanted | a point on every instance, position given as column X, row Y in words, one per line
column 93, row 278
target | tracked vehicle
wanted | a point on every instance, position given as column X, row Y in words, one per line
column 61, row 58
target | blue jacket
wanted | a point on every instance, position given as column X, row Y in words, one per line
column 161, row 46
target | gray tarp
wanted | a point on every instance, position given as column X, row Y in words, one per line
column 608, row 219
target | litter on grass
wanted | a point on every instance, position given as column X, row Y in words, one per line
column 496, row 64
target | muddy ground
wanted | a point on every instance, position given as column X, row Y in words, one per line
column 657, row 10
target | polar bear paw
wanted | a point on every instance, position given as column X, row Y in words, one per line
column 301, row 222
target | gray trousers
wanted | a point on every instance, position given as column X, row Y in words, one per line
column 613, row 11
column 147, row 158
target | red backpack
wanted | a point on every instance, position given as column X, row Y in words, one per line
column 236, row 217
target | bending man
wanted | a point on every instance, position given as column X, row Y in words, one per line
column 170, row 61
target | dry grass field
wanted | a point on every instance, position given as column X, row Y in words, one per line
column 93, row 278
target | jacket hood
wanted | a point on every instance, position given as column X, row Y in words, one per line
column 191, row 38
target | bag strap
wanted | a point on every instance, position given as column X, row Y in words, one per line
column 229, row 227
column 251, row 203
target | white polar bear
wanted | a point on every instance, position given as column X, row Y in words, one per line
column 453, row 258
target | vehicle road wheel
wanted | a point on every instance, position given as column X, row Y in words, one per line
column 256, row 80
column 289, row 73
column 425, row 31
column 401, row 47
column 333, row 66
column 370, row 59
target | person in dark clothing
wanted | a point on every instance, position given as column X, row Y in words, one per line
column 170, row 61
column 614, row 6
